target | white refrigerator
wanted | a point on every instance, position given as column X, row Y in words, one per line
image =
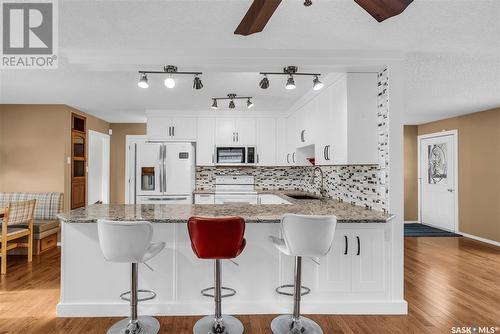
column 164, row 173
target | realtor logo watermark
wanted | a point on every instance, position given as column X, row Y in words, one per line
column 29, row 34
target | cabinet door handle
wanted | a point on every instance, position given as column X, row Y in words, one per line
column 237, row 136
column 302, row 136
column 346, row 241
column 288, row 158
column 173, row 131
column 169, row 131
column 324, row 152
column 234, row 136
column 359, row 245
column 257, row 158
column 293, row 157
column 327, row 152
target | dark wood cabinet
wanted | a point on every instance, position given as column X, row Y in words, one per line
column 78, row 161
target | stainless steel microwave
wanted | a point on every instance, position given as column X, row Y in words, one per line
column 235, row 155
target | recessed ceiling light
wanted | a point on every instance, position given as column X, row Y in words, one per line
column 143, row 82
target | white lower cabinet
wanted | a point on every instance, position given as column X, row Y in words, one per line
column 357, row 262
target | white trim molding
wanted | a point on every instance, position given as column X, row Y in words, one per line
column 488, row 241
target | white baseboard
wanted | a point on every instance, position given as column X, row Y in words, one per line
column 199, row 309
column 411, row 222
column 488, row 241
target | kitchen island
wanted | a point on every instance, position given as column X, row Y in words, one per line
column 354, row 278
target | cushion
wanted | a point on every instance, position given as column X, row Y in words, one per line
column 15, row 230
column 48, row 205
column 40, row 226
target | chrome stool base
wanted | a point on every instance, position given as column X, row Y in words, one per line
column 284, row 324
column 206, row 325
column 146, row 325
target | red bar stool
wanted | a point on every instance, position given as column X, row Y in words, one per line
column 217, row 239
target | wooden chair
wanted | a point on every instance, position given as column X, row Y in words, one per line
column 17, row 213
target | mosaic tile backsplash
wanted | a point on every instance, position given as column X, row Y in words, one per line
column 365, row 185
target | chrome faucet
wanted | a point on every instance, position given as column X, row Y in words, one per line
column 322, row 190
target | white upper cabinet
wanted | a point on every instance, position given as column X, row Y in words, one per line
column 205, row 142
column 281, row 142
column 235, row 131
column 362, row 120
column 341, row 122
column 266, row 141
column 171, row 128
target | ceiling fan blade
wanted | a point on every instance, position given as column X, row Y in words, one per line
column 257, row 16
column 384, row 9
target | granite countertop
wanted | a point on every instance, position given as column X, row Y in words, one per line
column 264, row 213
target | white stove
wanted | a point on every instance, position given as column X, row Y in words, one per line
column 232, row 189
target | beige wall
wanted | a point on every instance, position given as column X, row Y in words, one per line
column 479, row 170
column 35, row 141
column 120, row 130
column 410, row 173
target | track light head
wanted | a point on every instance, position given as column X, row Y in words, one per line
column 169, row 82
column 290, row 83
column 307, row 3
column 231, row 104
column 249, row 103
column 143, row 81
column 317, row 85
column 264, row 83
column 214, row 104
column 197, row 84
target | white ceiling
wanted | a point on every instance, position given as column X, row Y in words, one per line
column 451, row 52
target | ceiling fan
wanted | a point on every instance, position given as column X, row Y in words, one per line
column 261, row 11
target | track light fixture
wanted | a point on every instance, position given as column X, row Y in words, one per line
column 290, row 71
column 308, row 3
column 214, row 105
column 264, row 83
column 143, row 81
column 169, row 82
column 197, row 84
column 249, row 103
column 290, row 83
column 317, row 85
column 231, row 97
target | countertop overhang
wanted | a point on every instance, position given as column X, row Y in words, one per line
column 260, row 213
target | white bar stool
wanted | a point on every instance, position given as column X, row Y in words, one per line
column 309, row 236
column 130, row 242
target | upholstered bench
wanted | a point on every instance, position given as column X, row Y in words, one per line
column 46, row 226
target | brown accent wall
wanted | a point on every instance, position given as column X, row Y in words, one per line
column 35, row 142
column 478, row 170
column 410, row 173
column 120, row 131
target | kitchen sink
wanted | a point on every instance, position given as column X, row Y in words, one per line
column 302, row 196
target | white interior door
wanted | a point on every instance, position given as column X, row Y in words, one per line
column 437, row 172
column 98, row 168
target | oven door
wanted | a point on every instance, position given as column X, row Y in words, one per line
column 230, row 155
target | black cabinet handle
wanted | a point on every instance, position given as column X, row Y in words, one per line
column 359, row 246
column 293, row 157
column 288, row 158
column 327, row 152
column 346, row 245
column 324, row 152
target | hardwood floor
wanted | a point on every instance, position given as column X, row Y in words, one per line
column 448, row 282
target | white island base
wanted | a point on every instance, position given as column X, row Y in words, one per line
column 341, row 284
